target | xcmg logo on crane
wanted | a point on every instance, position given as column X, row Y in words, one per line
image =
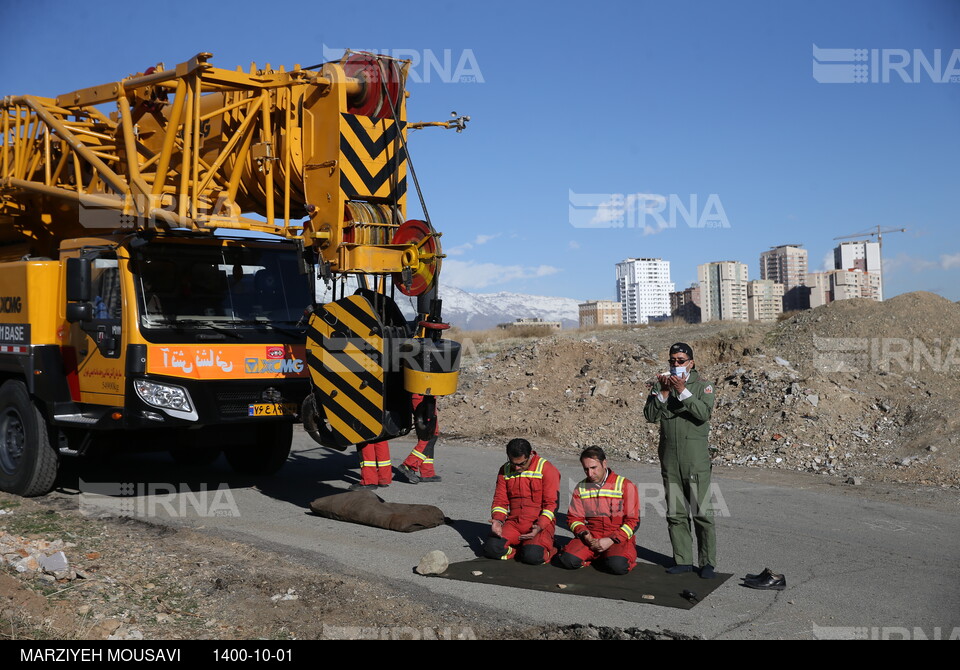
column 11, row 304
column 263, row 366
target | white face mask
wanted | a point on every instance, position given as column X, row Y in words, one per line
column 679, row 371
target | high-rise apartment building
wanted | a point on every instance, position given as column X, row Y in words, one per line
column 787, row 265
column 863, row 256
column 685, row 304
column 643, row 289
column 723, row 291
column 764, row 300
column 825, row 287
column 600, row 313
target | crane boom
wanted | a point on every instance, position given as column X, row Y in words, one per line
column 200, row 147
column 878, row 233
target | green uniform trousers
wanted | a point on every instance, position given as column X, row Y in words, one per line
column 686, row 484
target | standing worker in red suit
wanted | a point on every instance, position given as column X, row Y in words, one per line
column 419, row 464
column 376, row 470
column 604, row 514
column 523, row 515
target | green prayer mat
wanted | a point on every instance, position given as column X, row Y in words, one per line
column 645, row 579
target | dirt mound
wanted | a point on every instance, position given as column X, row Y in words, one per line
column 914, row 332
column 728, row 345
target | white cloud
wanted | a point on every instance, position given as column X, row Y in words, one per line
column 573, row 244
column 461, row 249
column 653, row 230
column 470, row 275
column 947, row 262
column 612, row 211
column 458, row 250
column 916, row 265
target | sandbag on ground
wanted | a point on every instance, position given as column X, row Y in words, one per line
column 369, row 509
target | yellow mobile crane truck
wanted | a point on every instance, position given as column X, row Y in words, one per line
column 160, row 238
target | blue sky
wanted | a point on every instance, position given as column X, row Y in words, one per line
column 614, row 106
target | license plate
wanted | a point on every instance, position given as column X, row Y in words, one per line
column 272, row 409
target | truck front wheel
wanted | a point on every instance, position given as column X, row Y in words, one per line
column 267, row 455
column 28, row 462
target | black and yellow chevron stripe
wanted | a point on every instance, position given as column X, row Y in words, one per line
column 372, row 158
column 345, row 357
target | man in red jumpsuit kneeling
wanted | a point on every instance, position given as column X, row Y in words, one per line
column 604, row 514
column 523, row 516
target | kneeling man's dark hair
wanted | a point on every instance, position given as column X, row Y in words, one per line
column 518, row 447
column 595, row 453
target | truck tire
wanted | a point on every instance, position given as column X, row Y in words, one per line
column 28, row 461
column 267, row 455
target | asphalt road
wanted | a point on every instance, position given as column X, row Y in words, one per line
column 854, row 567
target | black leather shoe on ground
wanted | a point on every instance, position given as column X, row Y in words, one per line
column 434, row 478
column 771, row 583
column 708, row 572
column 767, row 572
column 679, row 569
column 363, row 487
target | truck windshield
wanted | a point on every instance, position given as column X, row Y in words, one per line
column 220, row 285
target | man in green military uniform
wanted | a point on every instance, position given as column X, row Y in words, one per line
column 682, row 403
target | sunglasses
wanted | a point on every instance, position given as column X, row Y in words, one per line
column 680, row 361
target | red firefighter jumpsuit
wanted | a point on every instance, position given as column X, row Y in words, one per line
column 611, row 509
column 375, row 465
column 421, row 458
column 523, row 499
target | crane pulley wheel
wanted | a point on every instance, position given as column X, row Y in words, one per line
column 382, row 82
column 421, row 234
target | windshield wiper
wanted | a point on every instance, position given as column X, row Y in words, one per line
column 180, row 323
column 269, row 324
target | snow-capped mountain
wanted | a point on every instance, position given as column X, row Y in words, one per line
column 480, row 311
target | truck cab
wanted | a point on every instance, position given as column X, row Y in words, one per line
column 188, row 343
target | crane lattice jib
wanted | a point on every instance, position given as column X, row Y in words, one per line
column 202, row 148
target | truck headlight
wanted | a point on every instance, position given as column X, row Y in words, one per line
column 165, row 396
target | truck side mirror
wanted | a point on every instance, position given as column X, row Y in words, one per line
column 78, row 280
column 79, row 311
